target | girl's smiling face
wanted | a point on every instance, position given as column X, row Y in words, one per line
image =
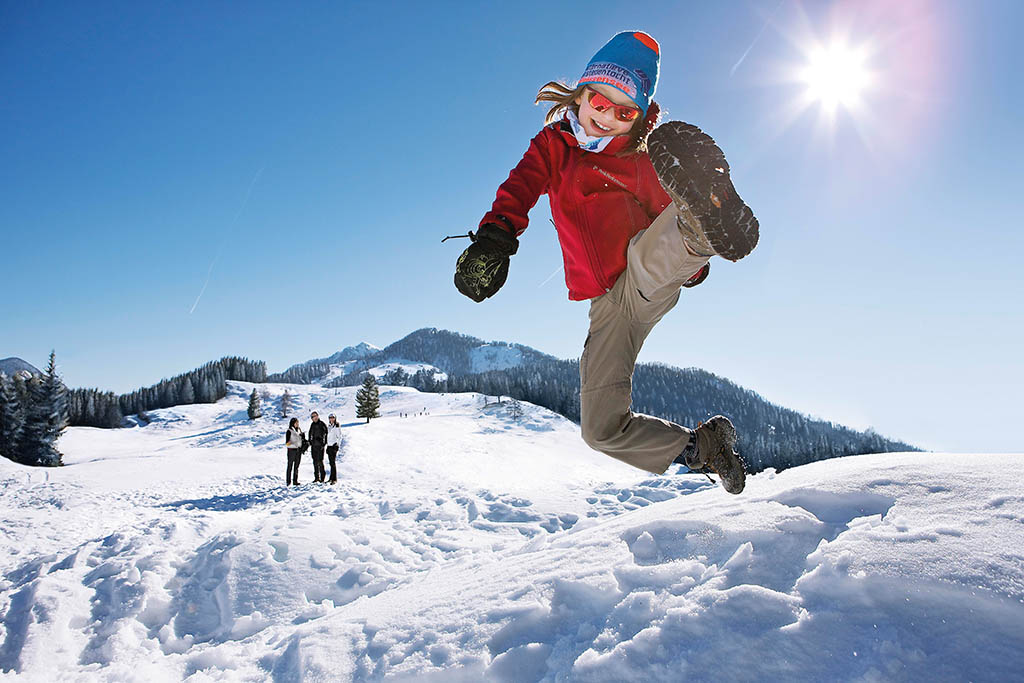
column 603, row 123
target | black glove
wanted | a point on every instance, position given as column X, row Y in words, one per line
column 481, row 270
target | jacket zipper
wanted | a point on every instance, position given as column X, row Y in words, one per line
column 585, row 237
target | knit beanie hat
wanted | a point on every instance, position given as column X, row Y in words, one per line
column 629, row 62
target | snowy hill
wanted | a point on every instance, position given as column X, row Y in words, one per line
column 488, row 357
column 464, row 544
column 439, row 351
column 325, row 369
column 11, row 366
column 435, row 360
column 454, row 352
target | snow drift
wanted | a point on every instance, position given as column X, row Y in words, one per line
column 463, row 542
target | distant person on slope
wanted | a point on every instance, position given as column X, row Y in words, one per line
column 639, row 213
column 295, row 441
column 333, row 444
column 317, row 442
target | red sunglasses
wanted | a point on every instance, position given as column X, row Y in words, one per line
column 601, row 103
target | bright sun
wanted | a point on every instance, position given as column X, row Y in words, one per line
column 836, row 75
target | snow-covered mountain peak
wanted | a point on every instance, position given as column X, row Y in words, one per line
column 13, row 366
column 360, row 350
column 440, row 351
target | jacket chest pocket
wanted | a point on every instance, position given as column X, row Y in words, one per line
column 594, row 180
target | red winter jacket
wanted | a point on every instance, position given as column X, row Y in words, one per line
column 598, row 201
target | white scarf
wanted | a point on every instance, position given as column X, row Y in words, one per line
column 587, row 142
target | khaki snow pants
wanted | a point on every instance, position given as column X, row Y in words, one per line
column 657, row 265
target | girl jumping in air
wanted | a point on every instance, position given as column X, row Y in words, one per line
column 639, row 212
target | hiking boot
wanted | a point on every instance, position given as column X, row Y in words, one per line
column 715, row 449
column 695, row 174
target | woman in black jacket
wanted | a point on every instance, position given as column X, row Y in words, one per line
column 295, row 440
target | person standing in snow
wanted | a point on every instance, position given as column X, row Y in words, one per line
column 639, row 210
column 333, row 444
column 295, row 441
column 317, row 442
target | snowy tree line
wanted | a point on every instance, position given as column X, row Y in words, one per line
column 352, row 379
column 206, row 384
column 552, row 384
column 33, row 414
column 94, row 408
column 396, row 377
column 770, row 436
column 421, row 379
column 306, row 373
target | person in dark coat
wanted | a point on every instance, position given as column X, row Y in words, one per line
column 294, row 440
column 317, row 442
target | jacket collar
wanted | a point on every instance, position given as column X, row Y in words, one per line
column 614, row 147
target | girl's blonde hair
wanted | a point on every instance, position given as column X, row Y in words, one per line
column 564, row 98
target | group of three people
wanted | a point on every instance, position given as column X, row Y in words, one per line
column 321, row 436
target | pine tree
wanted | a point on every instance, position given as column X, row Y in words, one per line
column 254, row 405
column 286, row 403
column 188, row 392
column 168, row 397
column 205, row 393
column 396, row 378
column 11, row 418
column 368, row 399
column 89, row 410
column 45, row 418
column 113, row 416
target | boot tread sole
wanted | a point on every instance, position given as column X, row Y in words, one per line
column 692, row 168
column 725, row 461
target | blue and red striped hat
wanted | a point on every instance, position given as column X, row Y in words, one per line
column 629, row 62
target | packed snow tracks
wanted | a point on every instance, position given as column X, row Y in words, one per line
column 465, row 539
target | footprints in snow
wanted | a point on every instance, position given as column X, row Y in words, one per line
column 280, row 551
column 771, row 557
column 615, row 500
column 837, row 509
column 683, row 572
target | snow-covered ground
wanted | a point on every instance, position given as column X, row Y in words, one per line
column 462, row 543
column 495, row 357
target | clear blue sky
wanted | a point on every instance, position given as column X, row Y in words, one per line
column 306, row 159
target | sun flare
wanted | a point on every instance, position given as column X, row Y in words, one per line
column 867, row 71
column 836, row 75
